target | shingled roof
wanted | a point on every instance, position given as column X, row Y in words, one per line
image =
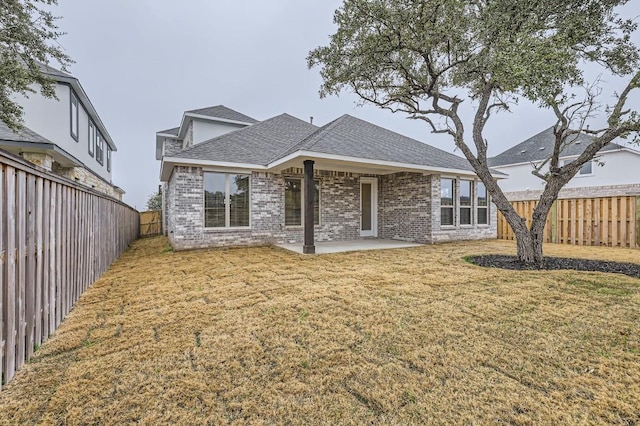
column 221, row 111
column 353, row 137
column 540, row 147
column 23, row 135
column 256, row 144
column 283, row 135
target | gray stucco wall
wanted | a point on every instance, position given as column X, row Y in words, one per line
column 408, row 209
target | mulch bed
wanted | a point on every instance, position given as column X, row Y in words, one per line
column 555, row 263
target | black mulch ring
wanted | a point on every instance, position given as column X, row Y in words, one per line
column 554, row 263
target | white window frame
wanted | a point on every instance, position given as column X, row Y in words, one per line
column 478, row 206
column 227, row 203
column 108, row 159
column 302, row 202
column 453, row 207
column 460, row 206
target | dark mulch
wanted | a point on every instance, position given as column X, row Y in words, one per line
column 552, row 263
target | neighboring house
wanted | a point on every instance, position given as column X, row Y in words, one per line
column 65, row 135
column 614, row 171
column 247, row 186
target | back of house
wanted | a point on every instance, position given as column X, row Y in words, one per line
column 231, row 180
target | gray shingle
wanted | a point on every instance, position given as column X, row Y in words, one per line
column 174, row 131
column 221, row 111
column 24, row 135
column 352, row 137
column 540, row 147
column 256, row 144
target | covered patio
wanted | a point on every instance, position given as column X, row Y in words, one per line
column 327, row 247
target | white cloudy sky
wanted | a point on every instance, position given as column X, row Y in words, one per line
column 144, row 62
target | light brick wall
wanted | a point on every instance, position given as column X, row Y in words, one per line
column 404, row 206
column 171, row 146
column 460, row 232
column 406, row 210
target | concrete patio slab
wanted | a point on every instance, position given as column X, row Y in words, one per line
column 351, row 245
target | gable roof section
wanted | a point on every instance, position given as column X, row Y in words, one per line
column 256, row 144
column 540, row 147
column 221, row 111
column 352, row 137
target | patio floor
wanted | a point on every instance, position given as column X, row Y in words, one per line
column 327, row 247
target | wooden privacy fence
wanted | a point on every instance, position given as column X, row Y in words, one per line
column 150, row 223
column 605, row 221
column 56, row 239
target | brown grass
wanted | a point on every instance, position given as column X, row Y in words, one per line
column 409, row 336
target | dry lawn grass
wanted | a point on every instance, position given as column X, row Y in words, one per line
column 409, row 336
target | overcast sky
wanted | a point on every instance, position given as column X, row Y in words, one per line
column 144, row 62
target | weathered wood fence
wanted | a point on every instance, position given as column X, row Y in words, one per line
column 56, row 239
column 150, row 223
column 605, row 221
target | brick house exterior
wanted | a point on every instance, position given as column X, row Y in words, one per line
column 407, row 202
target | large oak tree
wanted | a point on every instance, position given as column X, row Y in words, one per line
column 28, row 39
column 426, row 58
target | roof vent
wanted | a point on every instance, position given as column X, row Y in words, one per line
column 523, row 151
column 542, row 148
column 578, row 142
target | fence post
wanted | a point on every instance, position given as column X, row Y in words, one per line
column 638, row 221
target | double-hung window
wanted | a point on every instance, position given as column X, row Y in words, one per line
column 447, row 202
column 294, row 202
column 483, row 204
column 466, row 191
column 92, row 137
column 99, row 148
column 74, row 116
column 226, row 200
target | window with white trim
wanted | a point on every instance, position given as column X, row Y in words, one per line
column 294, row 202
column 483, row 204
column 447, row 202
column 74, row 108
column 466, row 191
column 226, row 200
column 108, row 159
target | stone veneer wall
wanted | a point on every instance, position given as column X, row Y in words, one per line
column 86, row 178
column 406, row 210
column 460, row 232
column 586, row 192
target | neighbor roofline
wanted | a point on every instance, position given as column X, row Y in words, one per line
column 600, row 153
